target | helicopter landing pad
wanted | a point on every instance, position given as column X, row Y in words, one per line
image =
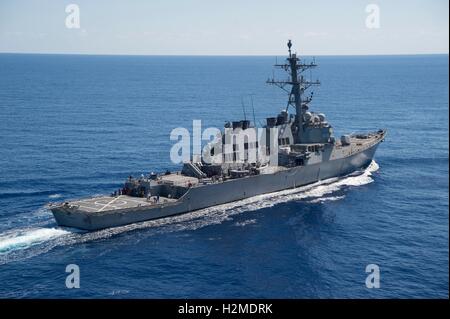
column 105, row 203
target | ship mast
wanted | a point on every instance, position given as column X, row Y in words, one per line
column 294, row 67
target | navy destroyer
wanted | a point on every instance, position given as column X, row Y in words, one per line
column 296, row 149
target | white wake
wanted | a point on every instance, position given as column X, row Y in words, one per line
column 24, row 239
column 31, row 241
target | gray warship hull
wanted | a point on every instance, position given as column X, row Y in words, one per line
column 302, row 144
column 204, row 196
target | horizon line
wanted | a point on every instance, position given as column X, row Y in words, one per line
column 219, row 55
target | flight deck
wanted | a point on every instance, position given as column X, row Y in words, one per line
column 106, row 203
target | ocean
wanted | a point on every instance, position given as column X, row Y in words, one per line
column 77, row 125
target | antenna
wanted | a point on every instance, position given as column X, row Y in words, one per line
column 289, row 44
column 254, row 122
column 253, row 110
column 243, row 108
column 298, row 84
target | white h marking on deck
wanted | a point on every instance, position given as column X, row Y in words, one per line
column 109, row 203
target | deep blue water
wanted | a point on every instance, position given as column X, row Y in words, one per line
column 72, row 126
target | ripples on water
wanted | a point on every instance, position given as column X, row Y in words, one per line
column 76, row 126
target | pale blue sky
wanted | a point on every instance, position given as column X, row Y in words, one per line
column 227, row 27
